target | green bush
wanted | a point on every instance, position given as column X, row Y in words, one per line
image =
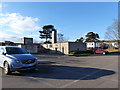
column 73, row 52
column 81, row 52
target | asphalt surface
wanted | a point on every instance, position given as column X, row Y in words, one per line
column 58, row 71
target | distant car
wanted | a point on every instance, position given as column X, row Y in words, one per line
column 13, row 58
column 100, row 51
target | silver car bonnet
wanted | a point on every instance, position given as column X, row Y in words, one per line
column 21, row 56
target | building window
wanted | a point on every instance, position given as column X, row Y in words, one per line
column 50, row 45
column 62, row 49
column 56, row 49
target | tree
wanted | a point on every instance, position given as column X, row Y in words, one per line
column 61, row 38
column 113, row 31
column 80, row 40
column 92, row 37
column 47, row 32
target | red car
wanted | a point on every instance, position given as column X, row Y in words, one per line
column 100, row 51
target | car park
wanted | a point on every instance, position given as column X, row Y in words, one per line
column 13, row 58
column 100, row 51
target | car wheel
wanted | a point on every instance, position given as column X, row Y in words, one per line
column 104, row 53
column 6, row 69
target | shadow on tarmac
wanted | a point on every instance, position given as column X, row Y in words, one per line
column 98, row 54
column 65, row 72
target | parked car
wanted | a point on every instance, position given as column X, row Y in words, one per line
column 13, row 58
column 100, row 51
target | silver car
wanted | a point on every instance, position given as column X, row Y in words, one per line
column 13, row 58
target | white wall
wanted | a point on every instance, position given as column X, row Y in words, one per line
column 93, row 44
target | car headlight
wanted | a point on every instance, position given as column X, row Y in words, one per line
column 16, row 61
column 36, row 58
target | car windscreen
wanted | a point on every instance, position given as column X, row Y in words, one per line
column 14, row 50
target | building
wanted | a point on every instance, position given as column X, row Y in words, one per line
column 27, row 43
column 112, row 44
column 101, row 44
column 2, row 44
column 65, row 47
column 61, row 48
column 54, row 47
column 93, row 44
column 7, row 43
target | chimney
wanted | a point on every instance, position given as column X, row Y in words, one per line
column 54, row 36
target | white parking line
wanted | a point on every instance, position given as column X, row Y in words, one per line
column 80, row 79
column 52, row 86
column 83, row 78
column 110, row 79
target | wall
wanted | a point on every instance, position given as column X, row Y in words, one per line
column 65, row 47
column 93, row 44
column 90, row 44
column 30, row 48
column 26, row 40
column 74, row 46
column 57, row 47
column 54, row 36
column 114, row 44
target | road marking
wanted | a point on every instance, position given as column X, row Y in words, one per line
column 42, row 81
column 80, row 79
column 83, row 77
column 110, row 79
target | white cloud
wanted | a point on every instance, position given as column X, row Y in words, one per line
column 8, row 37
column 0, row 5
column 17, row 23
column 2, row 35
column 15, row 26
column 34, row 35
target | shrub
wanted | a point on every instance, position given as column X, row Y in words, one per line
column 81, row 52
column 73, row 52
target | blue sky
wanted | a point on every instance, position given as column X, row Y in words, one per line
column 73, row 19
